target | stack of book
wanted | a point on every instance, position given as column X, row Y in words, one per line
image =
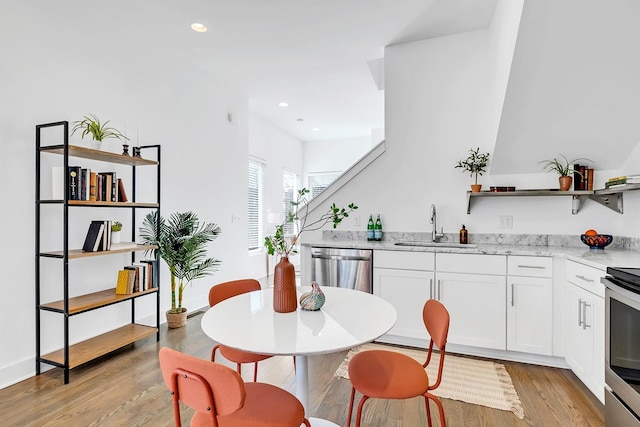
column 137, row 277
column 621, row 181
column 85, row 184
column 98, row 236
column 582, row 177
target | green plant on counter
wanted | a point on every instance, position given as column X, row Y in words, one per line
column 475, row 164
column 561, row 166
column 90, row 124
column 285, row 245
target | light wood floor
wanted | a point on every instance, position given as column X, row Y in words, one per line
column 126, row 389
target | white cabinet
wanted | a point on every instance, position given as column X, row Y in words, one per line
column 585, row 334
column 529, row 304
column 473, row 288
column 405, row 280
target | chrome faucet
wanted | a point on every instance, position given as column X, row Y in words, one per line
column 435, row 236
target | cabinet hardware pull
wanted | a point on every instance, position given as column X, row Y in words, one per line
column 584, row 278
column 541, row 267
column 430, row 288
column 584, row 313
column 512, row 295
column 438, row 290
column 580, row 312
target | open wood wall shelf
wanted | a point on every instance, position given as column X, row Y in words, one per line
column 611, row 198
column 70, row 355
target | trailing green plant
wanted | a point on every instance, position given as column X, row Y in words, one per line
column 90, row 124
column 475, row 164
column 562, row 166
column 182, row 243
column 116, row 226
column 285, row 245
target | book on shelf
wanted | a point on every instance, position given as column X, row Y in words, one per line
column 94, row 237
column 73, row 192
column 132, row 277
column 105, row 237
column 123, row 282
column 122, row 194
column 582, row 177
column 92, row 186
column 590, row 174
column 142, row 275
column 152, row 273
column 84, row 183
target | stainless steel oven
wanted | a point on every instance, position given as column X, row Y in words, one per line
column 622, row 347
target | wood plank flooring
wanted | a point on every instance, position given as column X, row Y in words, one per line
column 125, row 388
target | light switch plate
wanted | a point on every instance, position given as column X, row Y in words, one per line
column 505, row 221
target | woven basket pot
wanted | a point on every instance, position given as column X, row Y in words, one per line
column 284, row 287
column 177, row 320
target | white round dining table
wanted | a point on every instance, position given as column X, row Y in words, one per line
column 347, row 319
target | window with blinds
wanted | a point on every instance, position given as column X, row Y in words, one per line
column 290, row 191
column 319, row 181
column 254, row 205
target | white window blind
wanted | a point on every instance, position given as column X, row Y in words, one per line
column 320, row 181
column 290, row 191
column 254, row 205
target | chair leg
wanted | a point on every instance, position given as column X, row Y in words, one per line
column 443, row 421
column 360, row 406
column 213, row 352
column 176, row 409
column 353, row 395
column 255, row 372
column 426, row 403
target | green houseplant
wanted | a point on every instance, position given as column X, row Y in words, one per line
column 99, row 131
column 116, row 227
column 284, row 281
column 563, row 168
column 475, row 164
column 182, row 243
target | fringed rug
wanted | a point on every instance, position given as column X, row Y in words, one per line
column 468, row 380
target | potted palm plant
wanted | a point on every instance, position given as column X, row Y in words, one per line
column 563, row 168
column 475, row 164
column 99, row 131
column 182, row 243
column 284, row 294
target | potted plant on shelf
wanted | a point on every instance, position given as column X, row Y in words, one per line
column 99, row 131
column 182, row 243
column 284, row 293
column 563, row 168
column 475, row 164
column 116, row 227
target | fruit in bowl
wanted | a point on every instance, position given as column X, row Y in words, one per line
column 596, row 241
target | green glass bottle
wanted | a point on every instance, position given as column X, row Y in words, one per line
column 377, row 229
column 370, row 229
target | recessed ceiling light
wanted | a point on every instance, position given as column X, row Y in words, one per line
column 199, row 28
column 299, row 120
column 316, row 129
column 283, row 104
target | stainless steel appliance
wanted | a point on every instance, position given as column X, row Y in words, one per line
column 622, row 346
column 343, row 268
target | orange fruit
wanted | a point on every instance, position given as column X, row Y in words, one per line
column 591, row 233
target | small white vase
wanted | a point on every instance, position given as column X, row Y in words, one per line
column 115, row 237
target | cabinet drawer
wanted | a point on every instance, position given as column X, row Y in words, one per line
column 472, row 263
column 529, row 266
column 585, row 276
column 404, row 260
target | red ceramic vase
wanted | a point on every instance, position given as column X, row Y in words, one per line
column 284, row 287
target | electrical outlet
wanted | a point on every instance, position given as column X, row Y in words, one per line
column 505, row 221
column 356, row 220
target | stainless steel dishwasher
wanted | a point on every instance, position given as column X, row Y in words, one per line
column 343, row 268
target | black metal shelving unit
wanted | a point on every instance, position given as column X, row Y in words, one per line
column 70, row 356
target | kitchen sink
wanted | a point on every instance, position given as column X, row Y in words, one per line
column 436, row 244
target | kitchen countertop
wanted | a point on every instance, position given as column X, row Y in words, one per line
column 597, row 258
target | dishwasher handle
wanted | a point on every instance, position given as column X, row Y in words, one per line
column 341, row 257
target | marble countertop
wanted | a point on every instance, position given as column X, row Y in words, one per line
column 597, row 258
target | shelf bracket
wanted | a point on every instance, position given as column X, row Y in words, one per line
column 577, row 202
column 468, row 202
column 612, row 201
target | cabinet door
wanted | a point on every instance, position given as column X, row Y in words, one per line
column 529, row 315
column 476, row 304
column 407, row 291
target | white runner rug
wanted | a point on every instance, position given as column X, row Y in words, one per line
column 465, row 379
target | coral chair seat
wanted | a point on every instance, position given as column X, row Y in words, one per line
column 222, row 399
column 385, row 374
column 221, row 292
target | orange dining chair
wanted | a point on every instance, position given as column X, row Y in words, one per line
column 221, row 292
column 222, row 399
column 391, row 375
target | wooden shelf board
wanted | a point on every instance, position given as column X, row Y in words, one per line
column 100, row 345
column 112, row 204
column 115, row 249
column 89, row 153
column 93, row 300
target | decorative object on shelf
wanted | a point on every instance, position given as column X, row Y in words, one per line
column 597, row 241
column 125, row 149
column 182, row 243
column 563, row 168
column 284, row 272
column 116, row 228
column 90, row 124
column 136, row 152
column 314, row 299
column 476, row 165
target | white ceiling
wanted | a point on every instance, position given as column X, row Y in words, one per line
column 310, row 53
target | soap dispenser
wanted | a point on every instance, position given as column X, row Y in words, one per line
column 463, row 235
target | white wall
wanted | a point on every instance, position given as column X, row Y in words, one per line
column 335, row 155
